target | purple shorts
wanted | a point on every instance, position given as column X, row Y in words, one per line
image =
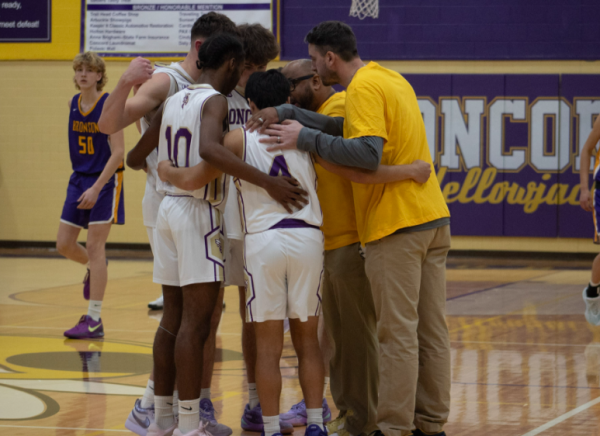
column 109, row 208
column 596, row 198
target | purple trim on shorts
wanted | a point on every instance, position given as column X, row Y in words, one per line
column 319, row 295
column 251, row 284
column 292, row 223
column 182, row 195
column 207, row 243
column 244, row 221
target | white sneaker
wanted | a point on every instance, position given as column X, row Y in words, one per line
column 156, row 304
column 592, row 309
column 155, row 430
column 200, row 431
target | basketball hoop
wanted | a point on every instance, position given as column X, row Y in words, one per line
column 364, row 8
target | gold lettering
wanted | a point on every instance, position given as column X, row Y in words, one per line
column 451, row 188
column 498, row 192
column 535, row 196
column 470, row 182
column 487, row 180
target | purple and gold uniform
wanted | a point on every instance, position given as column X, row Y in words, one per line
column 596, row 198
column 90, row 151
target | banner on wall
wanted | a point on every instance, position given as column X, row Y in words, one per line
column 506, row 149
column 25, row 21
column 128, row 28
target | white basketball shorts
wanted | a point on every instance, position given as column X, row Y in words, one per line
column 188, row 242
column 284, row 271
column 234, row 262
column 150, row 231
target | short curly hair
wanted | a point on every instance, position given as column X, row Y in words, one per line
column 95, row 63
column 260, row 44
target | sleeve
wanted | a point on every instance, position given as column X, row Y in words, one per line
column 365, row 112
column 313, row 120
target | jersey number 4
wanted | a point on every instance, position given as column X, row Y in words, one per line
column 86, row 147
column 173, row 144
column 279, row 167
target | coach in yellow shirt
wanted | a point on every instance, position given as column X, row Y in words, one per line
column 404, row 225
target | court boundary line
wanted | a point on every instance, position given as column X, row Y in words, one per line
column 64, row 428
column 563, row 417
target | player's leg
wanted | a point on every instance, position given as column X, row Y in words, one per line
column 96, row 248
column 199, row 300
column 248, row 348
column 433, row 388
column 591, row 293
column 67, row 245
column 159, row 302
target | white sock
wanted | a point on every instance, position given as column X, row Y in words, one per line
column 189, row 415
column 175, row 403
column 315, row 416
column 148, row 398
column 94, row 309
column 205, row 393
column 271, row 425
column 87, row 265
column 252, row 395
column 163, row 409
column 325, row 387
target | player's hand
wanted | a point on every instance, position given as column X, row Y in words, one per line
column 287, row 192
column 421, row 171
column 163, row 168
column 585, row 201
column 262, row 120
column 283, row 136
column 138, row 72
column 88, row 198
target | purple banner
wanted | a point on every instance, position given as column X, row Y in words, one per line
column 506, row 149
column 25, row 21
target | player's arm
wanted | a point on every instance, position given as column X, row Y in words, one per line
column 419, row 171
column 117, row 148
column 198, row 176
column 119, row 111
column 284, row 190
column 330, row 125
column 136, row 158
column 585, row 199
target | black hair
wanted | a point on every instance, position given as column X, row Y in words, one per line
column 218, row 49
column 211, row 24
column 260, row 44
column 267, row 89
column 334, row 36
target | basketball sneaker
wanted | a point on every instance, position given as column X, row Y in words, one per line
column 86, row 328
column 337, row 427
column 252, row 421
column 207, row 413
column 155, row 430
column 315, row 430
column 297, row 414
column 200, row 431
column 140, row 419
column 592, row 309
column 157, row 304
column 86, row 285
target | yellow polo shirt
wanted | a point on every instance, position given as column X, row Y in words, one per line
column 380, row 102
column 335, row 192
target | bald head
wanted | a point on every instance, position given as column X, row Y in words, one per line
column 297, row 68
column 309, row 93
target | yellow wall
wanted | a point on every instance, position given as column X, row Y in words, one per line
column 35, row 166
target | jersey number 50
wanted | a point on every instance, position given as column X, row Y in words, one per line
column 86, row 147
column 173, row 144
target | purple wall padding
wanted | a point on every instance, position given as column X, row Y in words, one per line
column 459, row 29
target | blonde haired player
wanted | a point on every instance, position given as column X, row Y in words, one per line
column 95, row 192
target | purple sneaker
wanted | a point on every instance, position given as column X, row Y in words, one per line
column 252, row 421
column 315, row 430
column 297, row 414
column 86, row 285
column 140, row 419
column 207, row 413
column 86, row 328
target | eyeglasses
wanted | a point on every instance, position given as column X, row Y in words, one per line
column 294, row 82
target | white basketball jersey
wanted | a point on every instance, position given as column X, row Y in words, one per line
column 151, row 202
column 259, row 211
column 239, row 113
column 180, row 142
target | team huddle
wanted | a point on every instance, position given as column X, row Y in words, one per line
column 318, row 205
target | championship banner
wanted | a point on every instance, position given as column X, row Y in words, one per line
column 506, row 149
column 128, row 28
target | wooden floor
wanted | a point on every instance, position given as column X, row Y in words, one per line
column 524, row 360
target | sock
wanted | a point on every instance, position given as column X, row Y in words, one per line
column 592, row 290
column 94, row 309
column 271, row 425
column 87, row 265
column 175, row 403
column 205, row 393
column 252, row 395
column 189, row 415
column 315, row 416
column 163, row 412
column 325, row 387
column 148, row 398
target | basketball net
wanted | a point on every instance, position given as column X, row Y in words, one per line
column 364, row 8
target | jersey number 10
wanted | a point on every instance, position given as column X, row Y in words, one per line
column 173, row 144
column 87, row 147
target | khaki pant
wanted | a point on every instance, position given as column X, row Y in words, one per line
column 350, row 322
column 408, row 277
